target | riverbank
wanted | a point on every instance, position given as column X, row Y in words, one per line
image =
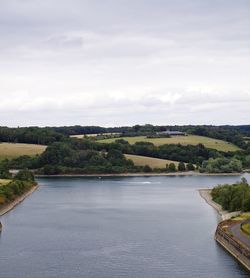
column 224, row 214
column 17, row 201
column 190, row 173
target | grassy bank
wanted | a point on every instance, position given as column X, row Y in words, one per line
column 150, row 161
column 217, row 144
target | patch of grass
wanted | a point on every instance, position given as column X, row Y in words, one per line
column 12, row 150
column 217, row 144
column 246, row 228
column 150, row 161
column 4, row 181
column 243, row 216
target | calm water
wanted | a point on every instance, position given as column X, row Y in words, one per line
column 143, row 227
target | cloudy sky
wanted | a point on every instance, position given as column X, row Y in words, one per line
column 123, row 62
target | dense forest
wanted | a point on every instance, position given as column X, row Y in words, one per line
column 233, row 197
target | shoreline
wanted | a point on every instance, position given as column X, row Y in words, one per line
column 17, row 201
column 224, row 214
column 142, row 174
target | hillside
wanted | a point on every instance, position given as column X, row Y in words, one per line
column 140, row 160
column 12, row 150
column 217, row 144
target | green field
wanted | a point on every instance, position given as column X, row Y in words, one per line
column 219, row 145
column 150, row 161
column 12, row 150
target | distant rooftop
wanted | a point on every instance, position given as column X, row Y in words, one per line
column 172, row 132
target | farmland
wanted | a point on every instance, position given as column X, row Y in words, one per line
column 217, row 144
column 12, row 150
column 150, row 161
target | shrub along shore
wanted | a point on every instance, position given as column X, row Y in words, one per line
column 16, row 190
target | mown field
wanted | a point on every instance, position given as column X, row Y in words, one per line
column 150, row 161
column 219, row 145
column 12, row 150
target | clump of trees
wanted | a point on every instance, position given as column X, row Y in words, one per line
column 233, row 197
column 22, row 182
column 221, row 165
column 68, row 157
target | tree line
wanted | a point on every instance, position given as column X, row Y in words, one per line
column 47, row 135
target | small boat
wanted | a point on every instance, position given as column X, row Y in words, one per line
column 1, row 226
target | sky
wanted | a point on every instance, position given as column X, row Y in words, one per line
column 124, row 62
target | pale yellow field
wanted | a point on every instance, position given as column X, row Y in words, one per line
column 183, row 140
column 4, row 181
column 150, row 161
column 12, row 150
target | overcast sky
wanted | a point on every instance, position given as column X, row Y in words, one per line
column 123, row 62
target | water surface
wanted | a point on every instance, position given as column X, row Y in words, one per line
column 142, row 227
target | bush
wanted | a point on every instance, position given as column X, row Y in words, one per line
column 181, row 167
column 24, row 175
column 172, row 167
column 190, row 167
column 147, row 169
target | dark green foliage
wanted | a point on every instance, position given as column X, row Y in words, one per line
column 24, row 175
column 190, row 167
column 172, row 167
column 233, row 197
column 31, row 135
column 73, row 157
column 181, row 166
column 4, row 171
column 14, row 189
column 221, row 165
column 147, row 169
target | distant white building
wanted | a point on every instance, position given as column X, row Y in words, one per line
column 172, row 133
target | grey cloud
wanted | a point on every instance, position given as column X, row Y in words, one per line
column 161, row 61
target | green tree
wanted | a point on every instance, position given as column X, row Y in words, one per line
column 181, row 166
column 190, row 167
column 24, row 175
column 4, row 172
column 147, row 169
column 172, row 167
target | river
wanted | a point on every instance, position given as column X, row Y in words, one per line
column 140, row 227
